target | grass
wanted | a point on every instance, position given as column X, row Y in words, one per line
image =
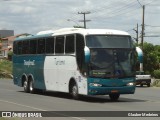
column 5, row 68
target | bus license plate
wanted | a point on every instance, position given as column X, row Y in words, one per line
column 114, row 91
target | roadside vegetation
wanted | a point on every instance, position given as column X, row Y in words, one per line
column 151, row 62
column 5, row 68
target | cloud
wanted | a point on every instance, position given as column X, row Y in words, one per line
column 32, row 16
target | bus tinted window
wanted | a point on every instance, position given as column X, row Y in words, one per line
column 19, row 50
column 25, row 48
column 69, row 46
column 41, row 46
column 15, row 47
column 108, row 41
column 50, row 45
column 59, row 45
column 80, row 50
column 33, row 46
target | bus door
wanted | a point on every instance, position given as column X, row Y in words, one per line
column 50, row 73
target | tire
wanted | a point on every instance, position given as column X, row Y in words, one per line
column 26, row 86
column 141, row 85
column 74, row 91
column 148, row 85
column 31, row 86
column 114, row 97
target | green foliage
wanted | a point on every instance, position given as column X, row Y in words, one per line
column 156, row 74
column 156, row 83
column 5, row 69
column 10, row 53
column 151, row 58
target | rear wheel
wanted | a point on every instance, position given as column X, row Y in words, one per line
column 148, row 85
column 74, row 91
column 31, row 86
column 114, row 97
column 26, row 86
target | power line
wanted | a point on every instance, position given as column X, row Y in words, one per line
column 118, row 10
column 151, row 26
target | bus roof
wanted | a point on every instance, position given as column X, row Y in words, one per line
column 82, row 31
column 89, row 31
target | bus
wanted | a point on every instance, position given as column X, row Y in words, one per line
column 76, row 61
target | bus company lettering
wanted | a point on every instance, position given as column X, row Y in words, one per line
column 60, row 62
column 29, row 63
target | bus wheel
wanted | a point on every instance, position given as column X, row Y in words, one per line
column 114, row 97
column 74, row 91
column 26, row 86
column 31, row 87
column 148, row 85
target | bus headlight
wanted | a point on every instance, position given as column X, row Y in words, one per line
column 95, row 84
column 131, row 84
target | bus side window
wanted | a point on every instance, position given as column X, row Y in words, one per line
column 33, row 46
column 50, row 45
column 15, row 47
column 19, row 46
column 25, row 48
column 59, row 45
column 70, row 46
column 41, row 46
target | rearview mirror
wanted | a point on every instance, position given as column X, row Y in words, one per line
column 87, row 54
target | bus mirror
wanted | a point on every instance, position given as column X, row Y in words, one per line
column 87, row 54
column 140, row 54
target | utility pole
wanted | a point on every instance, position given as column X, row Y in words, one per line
column 142, row 37
column 84, row 14
column 136, row 30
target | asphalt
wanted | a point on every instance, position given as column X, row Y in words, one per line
column 13, row 98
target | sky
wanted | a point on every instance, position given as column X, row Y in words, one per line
column 32, row 16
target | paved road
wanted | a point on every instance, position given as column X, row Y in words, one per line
column 12, row 98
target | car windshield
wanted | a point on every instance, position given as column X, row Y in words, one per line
column 112, row 63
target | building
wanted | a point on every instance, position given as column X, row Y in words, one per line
column 7, row 43
column 6, row 33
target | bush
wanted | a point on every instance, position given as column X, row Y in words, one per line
column 10, row 53
column 5, row 69
column 156, row 74
column 156, row 83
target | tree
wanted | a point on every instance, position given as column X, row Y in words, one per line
column 151, row 57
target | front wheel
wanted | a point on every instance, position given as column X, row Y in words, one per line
column 114, row 97
column 74, row 92
column 148, row 85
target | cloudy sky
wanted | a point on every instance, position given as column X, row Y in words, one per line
column 32, row 16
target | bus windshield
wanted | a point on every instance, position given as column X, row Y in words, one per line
column 108, row 63
column 108, row 41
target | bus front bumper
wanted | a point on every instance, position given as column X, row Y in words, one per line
column 111, row 90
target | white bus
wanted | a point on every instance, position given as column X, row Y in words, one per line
column 76, row 61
